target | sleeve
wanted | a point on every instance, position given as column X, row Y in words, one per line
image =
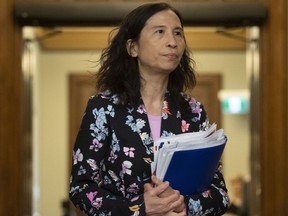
column 88, row 160
column 214, row 201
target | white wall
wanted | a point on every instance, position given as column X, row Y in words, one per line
column 53, row 118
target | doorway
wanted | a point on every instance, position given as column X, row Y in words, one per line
column 51, row 68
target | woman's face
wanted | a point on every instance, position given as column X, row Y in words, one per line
column 161, row 44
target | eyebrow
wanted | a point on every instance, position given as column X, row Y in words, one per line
column 164, row 26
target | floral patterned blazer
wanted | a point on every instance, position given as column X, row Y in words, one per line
column 113, row 152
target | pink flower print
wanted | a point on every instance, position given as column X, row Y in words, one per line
column 122, row 189
column 129, row 151
column 97, row 203
column 165, row 108
column 135, row 198
column 77, row 156
column 133, row 188
column 91, row 196
column 207, row 193
column 112, row 157
column 96, row 145
column 126, row 165
column 197, row 110
column 185, row 126
column 141, row 109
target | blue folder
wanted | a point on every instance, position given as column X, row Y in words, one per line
column 192, row 171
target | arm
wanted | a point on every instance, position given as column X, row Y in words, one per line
column 89, row 154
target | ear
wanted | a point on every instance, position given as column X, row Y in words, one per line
column 131, row 48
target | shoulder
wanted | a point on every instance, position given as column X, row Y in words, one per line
column 104, row 98
column 102, row 103
column 198, row 113
column 193, row 102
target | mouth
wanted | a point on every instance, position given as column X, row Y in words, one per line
column 171, row 56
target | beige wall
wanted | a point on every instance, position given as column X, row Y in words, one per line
column 52, row 105
column 54, row 68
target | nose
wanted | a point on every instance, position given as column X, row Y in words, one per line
column 171, row 41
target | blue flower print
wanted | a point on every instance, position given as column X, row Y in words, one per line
column 130, row 123
column 140, row 123
column 81, row 171
column 110, row 111
column 196, row 209
column 115, row 143
column 99, row 130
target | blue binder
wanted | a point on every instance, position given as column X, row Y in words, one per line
column 192, row 171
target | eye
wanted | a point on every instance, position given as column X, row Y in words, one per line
column 160, row 31
column 179, row 33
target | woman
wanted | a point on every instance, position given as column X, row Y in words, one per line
column 143, row 74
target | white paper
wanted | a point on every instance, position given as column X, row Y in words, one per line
column 166, row 146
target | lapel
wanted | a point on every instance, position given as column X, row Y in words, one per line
column 170, row 121
column 171, row 117
column 141, row 122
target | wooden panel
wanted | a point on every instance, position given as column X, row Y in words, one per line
column 81, row 88
column 206, row 91
column 141, row 1
column 274, row 111
column 15, row 172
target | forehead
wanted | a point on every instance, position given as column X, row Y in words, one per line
column 164, row 18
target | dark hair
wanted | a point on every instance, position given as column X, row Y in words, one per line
column 119, row 71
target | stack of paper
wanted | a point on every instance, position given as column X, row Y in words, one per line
column 189, row 160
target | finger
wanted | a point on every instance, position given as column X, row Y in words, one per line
column 181, row 208
column 156, row 180
column 148, row 187
column 177, row 205
column 160, row 188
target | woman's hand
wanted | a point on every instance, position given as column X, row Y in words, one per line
column 161, row 199
column 170, row 191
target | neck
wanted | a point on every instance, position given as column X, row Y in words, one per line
column 153, row 95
